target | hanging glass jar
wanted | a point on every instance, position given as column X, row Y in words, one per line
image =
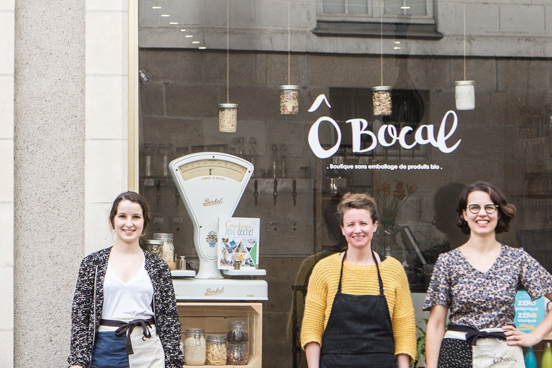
column 195, row 350
column 464, row 92
column 228, row 117
column 381, row 99
column 289, row 100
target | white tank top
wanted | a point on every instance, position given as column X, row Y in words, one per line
column 125, row 301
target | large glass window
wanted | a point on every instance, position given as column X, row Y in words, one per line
column 506, row 139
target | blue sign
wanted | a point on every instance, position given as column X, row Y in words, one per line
column 529, row 313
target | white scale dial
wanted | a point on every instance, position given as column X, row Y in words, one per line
column 211, row 186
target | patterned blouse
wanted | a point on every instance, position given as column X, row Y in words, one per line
column 485, row 300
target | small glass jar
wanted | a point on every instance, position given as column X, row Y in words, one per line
column 195, row 349
column 155, row 247
column 238, row 353
column 464, row 93
column 228, row 117
column 216, row 349
column 289, row 100
column 168, row 248
column 381, row 98
column 237, row 331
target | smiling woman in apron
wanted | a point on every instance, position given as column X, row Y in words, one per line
column 358, row 309
column 124, row 310
column 477, row 282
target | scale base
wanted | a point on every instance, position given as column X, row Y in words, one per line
column 220, row 289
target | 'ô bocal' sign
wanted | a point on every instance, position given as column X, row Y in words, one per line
column 387, row 135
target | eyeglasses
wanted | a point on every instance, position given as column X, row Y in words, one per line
column 489, row 208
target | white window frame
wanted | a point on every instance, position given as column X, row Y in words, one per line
column 374, row 14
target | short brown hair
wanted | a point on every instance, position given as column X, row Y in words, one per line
column 135, row 198
column 506, row 211
column 359, row 201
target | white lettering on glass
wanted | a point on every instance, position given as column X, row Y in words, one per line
column 386, row 136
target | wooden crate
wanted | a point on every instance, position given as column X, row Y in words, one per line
column 213, row 317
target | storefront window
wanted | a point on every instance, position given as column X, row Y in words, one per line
column 505, row 140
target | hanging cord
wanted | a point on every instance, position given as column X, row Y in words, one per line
column 381, row 45
column 464, row 41
column 289, row 47
column 227, row 51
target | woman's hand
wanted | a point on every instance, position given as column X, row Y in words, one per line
column 515, row 337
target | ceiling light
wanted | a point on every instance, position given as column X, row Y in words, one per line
column 189, row 36
column 165, row 15
column 182, row 30
column 202, row 47
column 405, row 7
column 195, row 41
column 396, row 48
column 397, row 42
column 173, row 23
column 156, row 7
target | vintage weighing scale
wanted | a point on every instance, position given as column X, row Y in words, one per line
column 211, row 185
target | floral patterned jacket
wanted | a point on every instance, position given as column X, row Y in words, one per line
column 88, row 303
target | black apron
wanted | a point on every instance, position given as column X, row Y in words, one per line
column 359, row 331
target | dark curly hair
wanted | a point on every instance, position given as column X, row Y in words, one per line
column 359, row 201
column 135, row 198
column 506, row 211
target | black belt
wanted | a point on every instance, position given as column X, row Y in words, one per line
column 129, row 326
column 472, row 334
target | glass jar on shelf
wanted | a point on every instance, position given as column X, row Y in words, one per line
column 216, row 349
column 195, row 349
column 237, row 331
column 168, row 248
column 238, row 353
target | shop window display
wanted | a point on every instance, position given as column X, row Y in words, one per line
column 505, row 140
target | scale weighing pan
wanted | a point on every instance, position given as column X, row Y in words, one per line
column 211, row 185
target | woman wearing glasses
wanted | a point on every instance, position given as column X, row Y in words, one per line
column 477, row 283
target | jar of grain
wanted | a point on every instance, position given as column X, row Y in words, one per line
column 194, row 346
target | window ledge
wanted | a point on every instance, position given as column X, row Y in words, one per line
column 369, row 29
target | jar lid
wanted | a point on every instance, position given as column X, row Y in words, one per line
column 382, row 88
column 216, row 338
column 163, row 236
column 194, row 330
column 237, row 344
column 464, row 83
column 153, row 242
column 289, row 86
column 228, row 106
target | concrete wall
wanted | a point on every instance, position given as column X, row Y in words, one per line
column 63, row 147
column 500, row 28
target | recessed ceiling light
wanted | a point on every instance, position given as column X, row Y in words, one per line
column 173, row 23
column 397, row 42
column 165, row 15
column 156, row 7
column 202, row 47
column 182, row 30
column 189, row 36
column 195, row 41
column 405, row 7
column 396, row 48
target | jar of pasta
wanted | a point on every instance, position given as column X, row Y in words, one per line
column 194, row 346
column 216, row 349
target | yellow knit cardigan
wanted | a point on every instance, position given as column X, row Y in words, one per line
column 359, row 280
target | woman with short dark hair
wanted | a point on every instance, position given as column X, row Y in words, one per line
column 358, row 309
column 477, row 283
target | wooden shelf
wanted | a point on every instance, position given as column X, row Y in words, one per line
column 213, row 317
